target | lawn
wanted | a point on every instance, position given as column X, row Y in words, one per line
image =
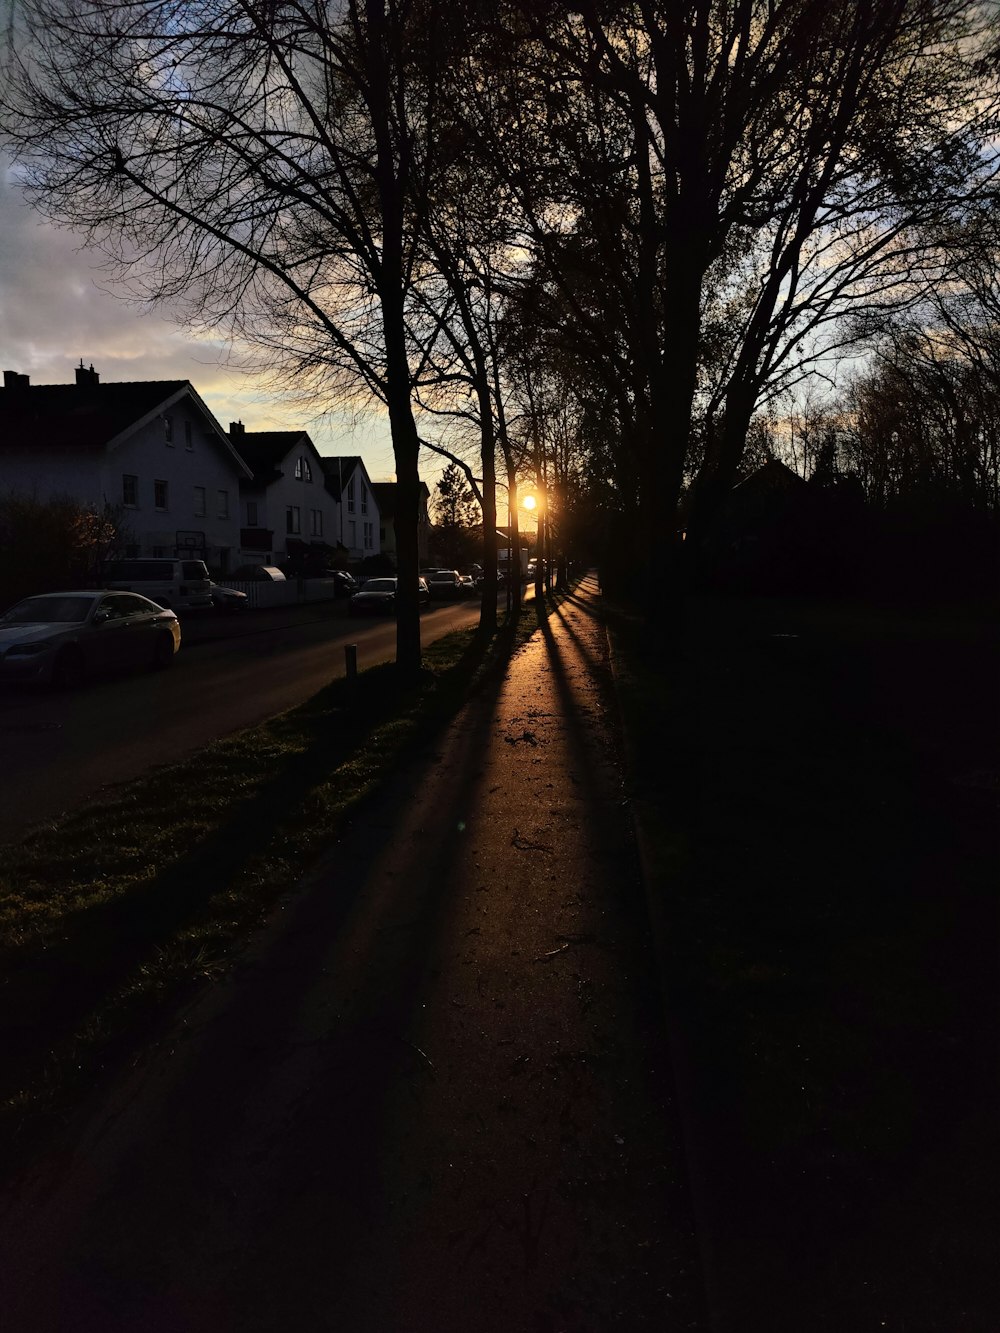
column 818, row 788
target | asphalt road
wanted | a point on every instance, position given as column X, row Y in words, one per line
column 60, row 749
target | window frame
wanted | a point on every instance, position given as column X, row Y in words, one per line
column 126, row 502
column 157, row 505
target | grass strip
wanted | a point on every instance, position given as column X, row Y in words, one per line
column 113, row 913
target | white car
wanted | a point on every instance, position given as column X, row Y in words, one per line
column 228, row 599
column 62, row 637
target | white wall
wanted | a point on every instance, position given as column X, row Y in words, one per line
column 295, row 492
column 354, row 522
column 147, row 455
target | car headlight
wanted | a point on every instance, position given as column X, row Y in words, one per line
column 26, row 649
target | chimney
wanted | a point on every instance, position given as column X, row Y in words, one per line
column 86, row 379
column 236, row 429
column 12, row 380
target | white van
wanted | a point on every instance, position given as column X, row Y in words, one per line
column 179, row 584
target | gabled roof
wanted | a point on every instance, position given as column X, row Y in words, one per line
column 91, row 415
column 338, row 469
column 83, row 417
column 770, row 476
column 263, row 451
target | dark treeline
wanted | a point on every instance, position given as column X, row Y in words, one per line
column 599, row 253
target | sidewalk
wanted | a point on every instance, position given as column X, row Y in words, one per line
column 436, row 1093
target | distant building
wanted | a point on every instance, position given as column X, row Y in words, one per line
column 359, row 515
column 385, row 494
column 151, row 449
column 288, row 509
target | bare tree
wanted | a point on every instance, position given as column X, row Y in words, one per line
column 771, row 156
column 261, row 162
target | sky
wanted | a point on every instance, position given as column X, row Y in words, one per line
column 56, row 309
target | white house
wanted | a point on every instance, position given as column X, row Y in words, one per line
column 151, row 449
column 359, row 522
column 287, row 507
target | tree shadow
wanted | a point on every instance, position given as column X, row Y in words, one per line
column 53, row 990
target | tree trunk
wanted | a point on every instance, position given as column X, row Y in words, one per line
column 488, row 605
column 722, row 460
column 405, row 448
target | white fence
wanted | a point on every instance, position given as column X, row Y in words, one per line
column 289, row 593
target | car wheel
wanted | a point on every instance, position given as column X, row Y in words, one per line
column 69, row 669
column 163, row 651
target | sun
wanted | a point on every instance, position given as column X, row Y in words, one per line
column 529, row 502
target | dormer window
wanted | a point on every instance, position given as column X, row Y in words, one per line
column 303, row 471
column 168, row 429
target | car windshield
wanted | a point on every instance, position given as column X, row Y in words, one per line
column 443, row 576
column 380, row 585
column 48, row 610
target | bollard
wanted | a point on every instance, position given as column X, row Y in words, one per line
column 351, row 660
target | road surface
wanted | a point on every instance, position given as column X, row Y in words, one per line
column 60, row 749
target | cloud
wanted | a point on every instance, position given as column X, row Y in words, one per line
column 56, row 309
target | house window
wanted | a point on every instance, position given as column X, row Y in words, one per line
column 381, row 535
column 251, row 513
column 159, row 552
column 168, row 429
column 188, row 435
column 159, row 494
column 368, row 536
column 199, row 502
column 352, row 534
column 350, row 496
column 302, row 469
column 316, row 522
column 293, row 519
column 364, row 498
column 222, row 506
column 130, row 491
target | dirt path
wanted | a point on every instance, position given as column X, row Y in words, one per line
column 436, row 1094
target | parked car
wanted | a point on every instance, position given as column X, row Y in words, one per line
column 344, row 584
column 258, row 574
column 180, row 584
column 380, row 595
column 229, row 599
column 445, row 583
column 62, row 637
